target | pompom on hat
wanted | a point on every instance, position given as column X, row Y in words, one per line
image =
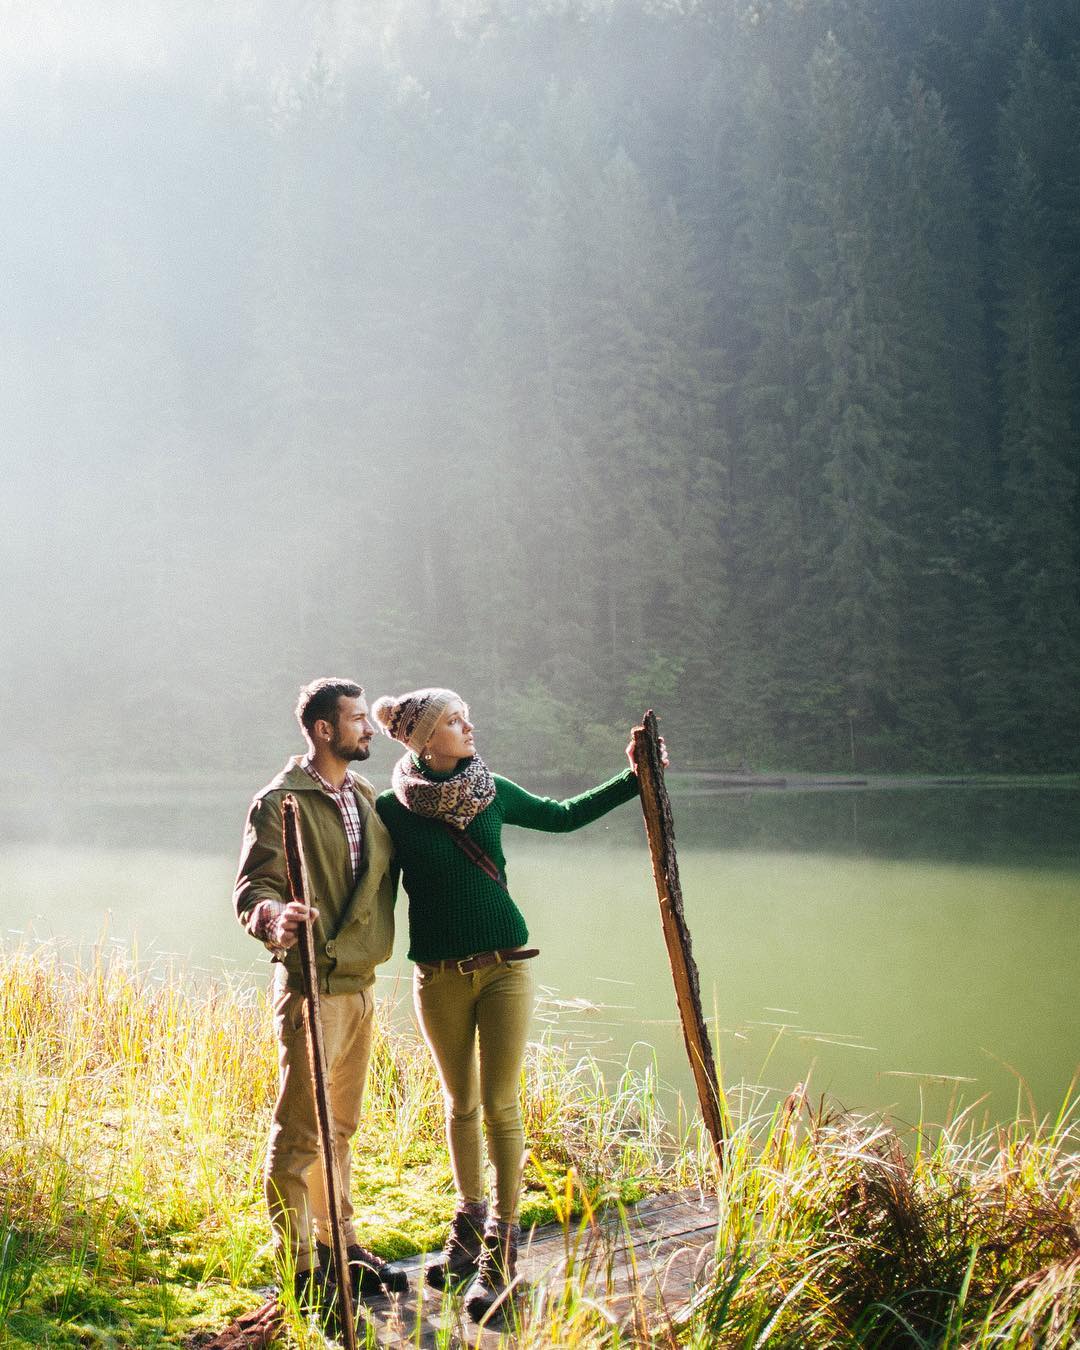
column 411, row 718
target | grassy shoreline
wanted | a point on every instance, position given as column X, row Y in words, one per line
column 133, row 1112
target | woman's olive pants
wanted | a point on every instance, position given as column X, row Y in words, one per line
column 476, row 1026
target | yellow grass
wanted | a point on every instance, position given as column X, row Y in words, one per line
column 134, row 1106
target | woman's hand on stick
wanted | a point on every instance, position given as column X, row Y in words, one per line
column 630, row 750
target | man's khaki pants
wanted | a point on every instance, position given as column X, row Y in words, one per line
column 295, row 1193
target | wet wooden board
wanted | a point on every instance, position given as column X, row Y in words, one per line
column 648, row 1261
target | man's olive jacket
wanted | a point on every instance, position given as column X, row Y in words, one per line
column 355, row 928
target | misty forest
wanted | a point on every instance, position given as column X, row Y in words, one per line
column 583, row 355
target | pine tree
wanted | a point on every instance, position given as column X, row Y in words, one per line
column 1040, row 715
column 926, row 273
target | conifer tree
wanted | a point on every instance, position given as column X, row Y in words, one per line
column 1040, row 447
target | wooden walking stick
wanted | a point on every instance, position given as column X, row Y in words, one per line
column 656, row 809
column 298, row 890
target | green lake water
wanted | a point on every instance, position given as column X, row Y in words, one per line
column 903, row 949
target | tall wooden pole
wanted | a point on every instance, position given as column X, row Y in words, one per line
column 298, row 890
column 660, row 828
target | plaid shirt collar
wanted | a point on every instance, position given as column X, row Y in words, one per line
column 312, row 772
column 344, row 798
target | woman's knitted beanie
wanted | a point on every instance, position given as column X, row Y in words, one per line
column 411, row 718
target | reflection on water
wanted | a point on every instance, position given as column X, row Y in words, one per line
column 882, row 980
column 902, row 948
column 992, row 824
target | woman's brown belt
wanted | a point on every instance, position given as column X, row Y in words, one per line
column 482, row 959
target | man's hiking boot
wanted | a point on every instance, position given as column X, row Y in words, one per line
column 461, row 1256
column 316, row 1296
column 496, row 1272
column 368, row 1273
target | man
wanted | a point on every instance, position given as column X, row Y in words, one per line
column 347, row 852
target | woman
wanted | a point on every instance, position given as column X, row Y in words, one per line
column 472, row 985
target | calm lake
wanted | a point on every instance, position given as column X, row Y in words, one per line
column 902, row 948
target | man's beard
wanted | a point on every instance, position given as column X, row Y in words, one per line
column 357, row 752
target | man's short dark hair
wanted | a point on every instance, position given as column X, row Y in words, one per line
column 318, row 701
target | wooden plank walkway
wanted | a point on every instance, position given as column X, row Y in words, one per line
column 652, row 1258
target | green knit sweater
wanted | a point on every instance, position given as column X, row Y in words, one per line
column 455, row 909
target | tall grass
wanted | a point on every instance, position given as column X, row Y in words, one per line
column 134, row 1109
column 134, row 1106
column 833, row 1233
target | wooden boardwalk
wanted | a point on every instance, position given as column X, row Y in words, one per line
column 649, row 1260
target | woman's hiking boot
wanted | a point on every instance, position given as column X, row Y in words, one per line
column 496, row 1271
column 461, row 1254
column 368, row 1273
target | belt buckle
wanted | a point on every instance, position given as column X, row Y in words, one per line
column 461, row 965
